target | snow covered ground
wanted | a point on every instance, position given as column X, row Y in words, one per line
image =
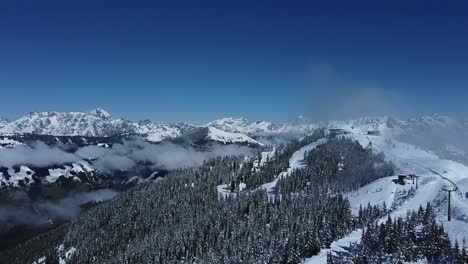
column 24, row 176
column 264, row 157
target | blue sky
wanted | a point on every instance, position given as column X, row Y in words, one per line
column 271, row 60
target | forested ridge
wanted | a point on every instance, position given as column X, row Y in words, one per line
column 182, row 218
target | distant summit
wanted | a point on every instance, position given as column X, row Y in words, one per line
column 100, row 113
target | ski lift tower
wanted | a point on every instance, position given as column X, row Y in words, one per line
column 415, row 178
column 449, row 190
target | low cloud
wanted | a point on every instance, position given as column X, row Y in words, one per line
column 38, row 154
column 165, row 155
column 125, row 156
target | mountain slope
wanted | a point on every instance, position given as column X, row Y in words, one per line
column 3, row 122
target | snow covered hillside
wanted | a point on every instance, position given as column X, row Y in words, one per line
column 24, row 176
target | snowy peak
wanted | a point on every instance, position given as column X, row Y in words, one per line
column 231, row 121
column 100, row 113
column 242, row 125
column 229, row 124
column 158, row 132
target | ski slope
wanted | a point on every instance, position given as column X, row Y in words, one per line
column 337, row 246
column 295, row 162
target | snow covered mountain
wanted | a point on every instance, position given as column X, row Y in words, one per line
column 441, row 134
column 95, row 123
column 158, row 132
column 99, row 123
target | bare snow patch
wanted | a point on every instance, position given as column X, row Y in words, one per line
column 64, row 256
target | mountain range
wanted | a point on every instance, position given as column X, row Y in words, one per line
column 442, row 134
column 99, row 123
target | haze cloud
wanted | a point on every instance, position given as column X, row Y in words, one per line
column 335, row 98
column 38, row 154
column 448, row 140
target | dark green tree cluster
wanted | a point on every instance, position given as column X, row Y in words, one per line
column 43, row 245
column 340, row 165
column 183, row 219
column 416, row 237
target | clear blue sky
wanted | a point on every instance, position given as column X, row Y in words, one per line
column 197, row 61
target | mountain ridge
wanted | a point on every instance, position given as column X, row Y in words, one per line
column 100, row 123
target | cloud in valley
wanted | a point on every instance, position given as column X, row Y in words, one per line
column 38, row 154
column 123, row 156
